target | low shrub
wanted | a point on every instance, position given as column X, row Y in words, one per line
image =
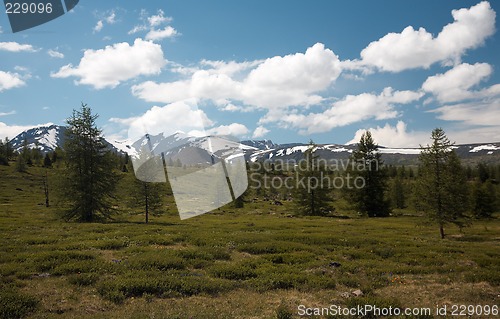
column 233, row 271
column 14, row 305
column 83, row 279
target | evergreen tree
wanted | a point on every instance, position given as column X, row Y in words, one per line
column 36, row 155
column 3, row 154
column 468, row 172
column 398, row 193
column 148, row 196
column 47, row 162
column 313, row 185
column 89, row 178
column 26, row 153
column 46, row 188
column 369, row 199
column 21, row 164
column 54, row 156
column 411, row 175
column 178, row 163
column 170, row 162
column 9, row 151
column 484, row 199
column 483, row 172
column 442, row 182
column 150, row 184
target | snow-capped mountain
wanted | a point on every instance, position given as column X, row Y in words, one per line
column 46, row 138
column 469, row 153
column 260, row 144
column 190, row 150
column 194, row 150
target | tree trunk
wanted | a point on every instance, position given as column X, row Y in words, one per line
column 313, row 211
column 441, row 231
column 147, row 203
column 46, row 189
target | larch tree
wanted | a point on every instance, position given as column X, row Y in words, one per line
column 89, row 179
column 148, row 190
column 312, row 193
column 442, row 183
column 367, row 164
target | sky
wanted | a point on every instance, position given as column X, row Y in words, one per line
column 289, row 71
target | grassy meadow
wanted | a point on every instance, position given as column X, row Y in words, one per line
column 260, row 261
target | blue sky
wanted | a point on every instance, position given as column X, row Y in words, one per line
column 289, row 71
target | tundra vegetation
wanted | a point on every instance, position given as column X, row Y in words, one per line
column 261, row 258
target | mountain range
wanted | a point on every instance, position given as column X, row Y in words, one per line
column 47, row 138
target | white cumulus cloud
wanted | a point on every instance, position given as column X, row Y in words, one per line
column 420, row 49
column 158, row 19
column 234, row 129
column 7, row 113
column 455, row 84
column 110, row 18
column 393, row 136
column 178, row 116
column 16, row 47
column 399, row 135
column 116, row 63
column 474, row 113
column 55, row 54
column 351, row 109
column 10, row 80
column 98, row 27
column 161, row 34
column 278, row 82
column 12, row 131
column 259, row 132
column 153, row 24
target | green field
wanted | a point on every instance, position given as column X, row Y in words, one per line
column 260, row 261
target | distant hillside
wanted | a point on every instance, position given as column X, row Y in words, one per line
column 47, row 138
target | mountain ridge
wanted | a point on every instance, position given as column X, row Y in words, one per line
column 47, row 138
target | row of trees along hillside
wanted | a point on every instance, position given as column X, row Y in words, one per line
column 440, row 187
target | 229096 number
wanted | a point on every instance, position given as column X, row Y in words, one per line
column 25, row 7
column 474, row 310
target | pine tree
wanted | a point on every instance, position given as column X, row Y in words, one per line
column 36, row 155
column 313, row 185
column 150, row 184
column 411, row 175
column 484, row 199
column 483, row 173
column 170, row 162
column 45, row 181
column 442, row 183
column 3, row 154
column 8, row 148
column 47, row 162
column 398, row 193
column 26, row 153
column 369, row 199
column 178, row 163
column 148, row 196
column 54, row 156
column 20, row 164
column 89, row 178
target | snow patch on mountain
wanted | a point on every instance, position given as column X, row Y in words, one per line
column 487, row 147
column 412, row 151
